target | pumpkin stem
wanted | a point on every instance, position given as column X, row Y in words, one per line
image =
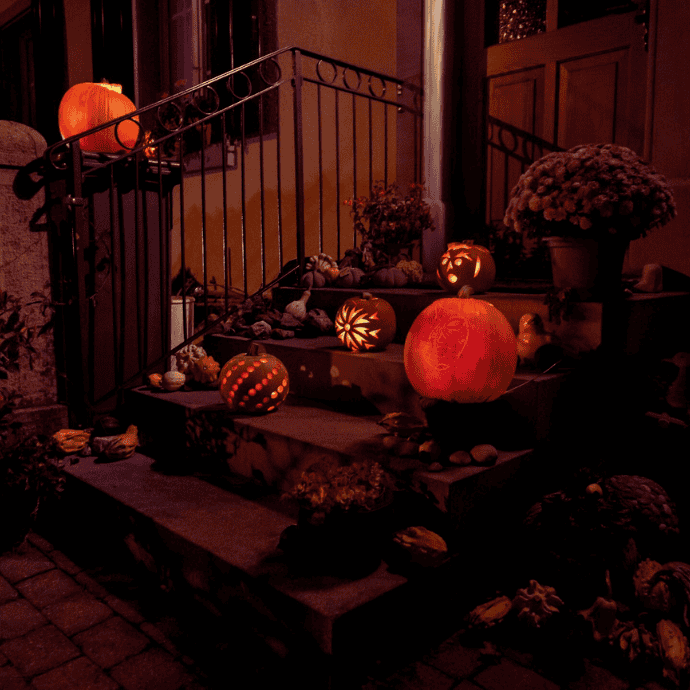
column 465, row 291
column 367, row 295
column 256, row 348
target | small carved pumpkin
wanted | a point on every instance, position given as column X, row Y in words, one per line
column 254, row 381
column 85, row 106
column 464, row 263
column 71, row 440
column 365, row 323
column 461, row 350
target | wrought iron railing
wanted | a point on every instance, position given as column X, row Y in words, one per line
column 280, row 143
column 509, row 151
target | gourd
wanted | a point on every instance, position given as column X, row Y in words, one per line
column 465, row 263
column 173, row 380
column 86, row 105
column 389, row 277
column 365, row 323
column 298, row 308
column 205, row 370
column 460, row 349
column 254, row 382
column 71, row 440
column 313, row 279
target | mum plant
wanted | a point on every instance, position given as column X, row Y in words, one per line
column 590, row 191
column 388, row 217
column 324, row 487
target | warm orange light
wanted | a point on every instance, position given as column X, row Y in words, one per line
column 464, row 263
column 85, row 106
column 461, row 350
column 365, row 323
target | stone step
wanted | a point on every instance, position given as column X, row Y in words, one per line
column 193, row 431
column 220, row 549
column 324, row 369
column 582, row 331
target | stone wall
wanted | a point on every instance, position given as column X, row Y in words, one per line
column 24, row 268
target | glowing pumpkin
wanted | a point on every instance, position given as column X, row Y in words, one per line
column 464, row 263
column 461, row 350
column 254, row 381
column 85, row 106
column 365, row 323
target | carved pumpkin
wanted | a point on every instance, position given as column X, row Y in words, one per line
column 464, row 263
column 85, row 106
column 365, row 323
column 460, row 349
column 254, row 381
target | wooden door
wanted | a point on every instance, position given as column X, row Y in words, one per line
column 585, row 83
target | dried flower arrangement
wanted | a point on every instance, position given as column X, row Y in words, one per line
column 590, row 191
column 389, row 217
column 325, row 487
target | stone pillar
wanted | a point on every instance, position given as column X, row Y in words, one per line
column 24, row 268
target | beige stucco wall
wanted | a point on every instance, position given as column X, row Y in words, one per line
column 326, row 28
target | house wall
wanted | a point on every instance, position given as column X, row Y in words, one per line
column 358, row 32
column 668, row 143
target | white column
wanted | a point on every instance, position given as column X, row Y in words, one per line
column 435, row 145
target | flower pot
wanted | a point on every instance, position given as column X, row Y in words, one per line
column 591, row 267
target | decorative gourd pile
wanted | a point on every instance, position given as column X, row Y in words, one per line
column 597, row 548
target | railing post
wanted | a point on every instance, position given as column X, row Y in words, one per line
column 69, row 292
column 299, row 153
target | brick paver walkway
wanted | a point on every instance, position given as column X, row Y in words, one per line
column 63, row 627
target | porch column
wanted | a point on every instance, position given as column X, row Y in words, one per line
column 437, row 111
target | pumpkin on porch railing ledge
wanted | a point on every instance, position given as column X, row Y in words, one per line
column 460, row 349
column 254, row 382
column 86, row 105
column 466, row 263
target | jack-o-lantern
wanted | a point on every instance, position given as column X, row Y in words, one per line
column 254, row 381
column 464, row 263
column 85, row 106
column 365, row 323
column 460, row 349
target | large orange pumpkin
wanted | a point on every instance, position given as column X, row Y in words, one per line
column 254, row 381
column 366, row 323
column 461, row 350
column 465, row 263
column 85, row 106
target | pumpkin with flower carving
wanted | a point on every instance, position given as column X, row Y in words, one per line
column 366, row 323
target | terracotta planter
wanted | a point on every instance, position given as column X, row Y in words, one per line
column 592, row 267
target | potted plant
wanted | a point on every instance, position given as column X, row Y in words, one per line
column 592, row 198
column 30, row 474
column 30, row 468
column 343, row 518
column 390, row 223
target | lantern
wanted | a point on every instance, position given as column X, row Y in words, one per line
column 365, row 323
column 254, row 381
column 460, row 349
column 85, row 106
column 464, row 263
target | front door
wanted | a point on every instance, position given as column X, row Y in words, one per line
column 581, row 81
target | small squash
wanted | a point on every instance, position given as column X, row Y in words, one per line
column 71, row 440
column 390, row 278
column 254, row 382
column 365, row 323
column 205, row 370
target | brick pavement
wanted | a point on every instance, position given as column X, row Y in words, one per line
column 63, row 629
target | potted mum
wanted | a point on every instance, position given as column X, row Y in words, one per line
column 390, row 223
column 591, row 200
column 343, row 518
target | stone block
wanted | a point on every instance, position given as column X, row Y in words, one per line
column 79, row 673
column 18, row 618
column 7, row 592
column 39, row 650
column 47, row 588
column 111, row 642
column 24, row 562
column 77, row 613
column 153, row 669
